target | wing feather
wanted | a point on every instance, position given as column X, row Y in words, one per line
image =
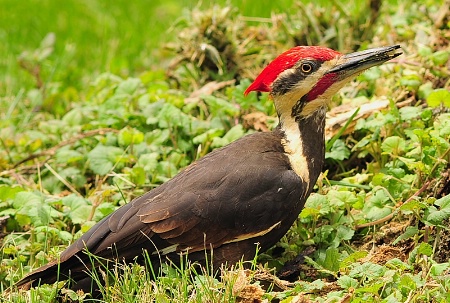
column 233, row 193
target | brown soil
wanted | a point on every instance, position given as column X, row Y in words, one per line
column 442, row 253
column 384, row 253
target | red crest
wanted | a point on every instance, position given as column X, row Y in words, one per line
column 287, row 60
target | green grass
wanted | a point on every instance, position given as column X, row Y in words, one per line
column 123, row 37
column 91, row 37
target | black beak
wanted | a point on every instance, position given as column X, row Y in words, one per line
column 357, row 62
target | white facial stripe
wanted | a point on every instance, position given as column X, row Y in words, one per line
column 292, row 143
column 293, row 146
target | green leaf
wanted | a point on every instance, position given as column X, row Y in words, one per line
column 319, row 267
column 413, row 205
column 439, row 97
column 346, row 282
column 233, row 134
column 219, row 106
column 128, row 86
column 339, row 151
column 411, row 81
column 331, row 261
column 442, row 124
column 424, row 90
column 440, row 57
column 352, row 258
column 407, row 282
column 138, row 176
column 343, row 232
column 398, row 264
column 368, row 270
column 103, row 158
column 67, row 156
column 24, row 198
column 65, row 236
column 42, row 216
column 408, row 113
column 316, row 204
column 9, row 192
column 152, row 111
column 158, row 136
column 427, row 114
column 443, row 203
column 165, row 170
column 317, row 284
column 209, row 135
column 43, row 233
column 166, row 115
column 393, row 145
column 37, row 213
column 130, row 136
column 78, row 116
column 78, row 208
column 87, row 225
column 74, row 176
column 324, row 233
column 103, row 210
column 409, row 232
column 425, row 51
column 437, row 217
column 309, row 212
column 370, row 288
column 437, row 269
column 425, row 249
column 342, row 198
column 148, row 161
column 376, row 206
column 329, row 144
column 379, row 199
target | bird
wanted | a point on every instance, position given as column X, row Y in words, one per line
column 238, row 199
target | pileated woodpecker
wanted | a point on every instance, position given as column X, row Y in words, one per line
column 246, row 193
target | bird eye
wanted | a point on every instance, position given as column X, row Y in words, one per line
column 306, row 67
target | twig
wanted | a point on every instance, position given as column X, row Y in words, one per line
column 410, row 296
column 447, row 152
column 51, row 151
column 388, row 217
column 207, row 89
column 340, row 115
column 34, row 70
column 25, row 169
column 443, row 12
column 64, row 181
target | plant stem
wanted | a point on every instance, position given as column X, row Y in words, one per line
column 391, row 215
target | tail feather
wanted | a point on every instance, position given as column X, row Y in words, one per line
column 46, row 274
column 72, row 269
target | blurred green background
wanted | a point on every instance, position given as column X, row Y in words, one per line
column 93, row 36
column 128, row 37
